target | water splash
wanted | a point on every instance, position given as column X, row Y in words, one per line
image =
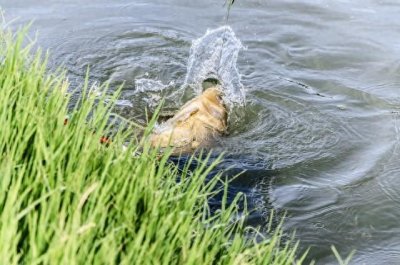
column 214, row 55
column 153, row 91
column 145, row 85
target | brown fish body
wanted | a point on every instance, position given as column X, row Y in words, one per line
column 195, row 125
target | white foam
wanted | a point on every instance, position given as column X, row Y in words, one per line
column 145, row 84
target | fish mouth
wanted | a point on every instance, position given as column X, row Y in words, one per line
column 213, row 82
column 210, row 82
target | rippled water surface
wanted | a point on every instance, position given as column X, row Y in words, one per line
column 319, row 132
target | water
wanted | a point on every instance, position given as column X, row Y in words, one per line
column 319, row 131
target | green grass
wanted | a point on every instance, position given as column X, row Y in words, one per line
column 67, row 199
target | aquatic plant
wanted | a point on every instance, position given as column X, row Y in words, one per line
column 67, row 199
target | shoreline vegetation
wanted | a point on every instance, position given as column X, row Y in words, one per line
column 67, row 199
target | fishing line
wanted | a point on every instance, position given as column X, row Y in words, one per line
column 229, row 4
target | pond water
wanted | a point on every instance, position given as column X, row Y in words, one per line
column 318, row 134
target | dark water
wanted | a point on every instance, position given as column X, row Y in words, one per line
column 320, row 133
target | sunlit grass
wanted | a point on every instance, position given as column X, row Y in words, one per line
column 67, row 199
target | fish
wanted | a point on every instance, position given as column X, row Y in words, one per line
column 196, row 125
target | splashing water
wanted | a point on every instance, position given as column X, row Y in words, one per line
column 213, row 55
column 151, row 91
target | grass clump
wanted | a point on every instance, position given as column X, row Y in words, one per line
column 67, row 199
